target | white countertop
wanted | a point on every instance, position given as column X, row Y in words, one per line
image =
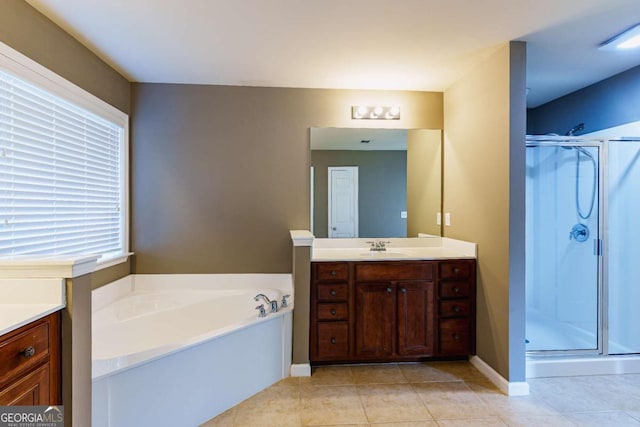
column 24, row 300
column 411, row 249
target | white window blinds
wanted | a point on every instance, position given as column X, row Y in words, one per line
column 61, row 175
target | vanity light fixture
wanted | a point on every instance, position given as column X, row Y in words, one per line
column 628, row 39
column 362, row 112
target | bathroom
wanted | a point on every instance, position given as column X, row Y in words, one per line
column 244, row 193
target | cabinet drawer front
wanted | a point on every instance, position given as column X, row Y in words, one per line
column 455, row 308
column 455, row 270
column 455, row 290
column 333, row 311
column 31, row 389
column 454, row 337
column 332, row 291
column 333, row 340
column 332, row 271
column 393, row 271
column 23, row 351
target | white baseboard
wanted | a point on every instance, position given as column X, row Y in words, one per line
column 573, row 366
column 520, row 388
column 301, row 370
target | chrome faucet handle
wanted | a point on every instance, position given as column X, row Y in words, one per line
column 274, row 306
column 284, row 300
column 262, row 312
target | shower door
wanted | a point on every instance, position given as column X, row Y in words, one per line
column 563, row 246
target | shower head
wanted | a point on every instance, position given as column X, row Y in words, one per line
column 577, row 128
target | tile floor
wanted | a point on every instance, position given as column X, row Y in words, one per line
column 435, row 394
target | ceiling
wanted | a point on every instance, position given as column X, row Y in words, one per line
column 348, row 44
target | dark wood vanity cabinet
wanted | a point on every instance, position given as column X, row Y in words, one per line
column 30, row 364
column 392, row 310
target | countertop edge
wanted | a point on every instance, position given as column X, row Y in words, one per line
column 33, row 312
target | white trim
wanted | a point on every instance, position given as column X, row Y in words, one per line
column 519, row 388
column 311, row 196
column 49, row 267
column 575, row 366
column 301, row 237
column 301, row 370
column 113, row 261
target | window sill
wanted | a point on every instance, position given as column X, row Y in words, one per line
column 110, row 262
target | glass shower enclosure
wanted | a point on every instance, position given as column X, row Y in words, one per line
column 582, row 245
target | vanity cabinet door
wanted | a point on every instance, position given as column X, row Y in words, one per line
column 415, row 318
column 375, row 319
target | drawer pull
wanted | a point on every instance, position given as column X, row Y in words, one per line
column 456, row 289
column 333, row 311
column 333, row 340
column 28, row 352
column 456, row 270
column 403, row 290
column 456, row 337
column 456, row 309
column 333, row 292
column 389, row 290
column 334, row 273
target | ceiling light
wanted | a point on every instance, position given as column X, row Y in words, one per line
column 361, row 112
column 628, row 39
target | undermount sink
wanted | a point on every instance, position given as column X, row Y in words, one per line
column 382, row 254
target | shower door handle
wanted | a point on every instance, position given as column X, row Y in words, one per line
column 597, row 247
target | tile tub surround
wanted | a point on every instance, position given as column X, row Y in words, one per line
column 435, row 394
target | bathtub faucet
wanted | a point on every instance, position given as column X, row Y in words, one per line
column 274, row 303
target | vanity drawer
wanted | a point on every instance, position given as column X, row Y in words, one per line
column 332, row 271
column 377, row 271
column 23, row 350
column 333, row 340
column 332, row 291
column 455, row 308
column 455, row 270
column 455, row 290
column 454, row 337
column 333, row 311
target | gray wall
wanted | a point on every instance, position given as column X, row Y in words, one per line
column 221, row 173
column 611, row 102
column 382, row 190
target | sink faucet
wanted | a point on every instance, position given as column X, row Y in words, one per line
column 274, row 303
column 378, row 245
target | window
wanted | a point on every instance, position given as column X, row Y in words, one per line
column 62, row 168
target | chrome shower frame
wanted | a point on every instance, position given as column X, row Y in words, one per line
column 602, row 305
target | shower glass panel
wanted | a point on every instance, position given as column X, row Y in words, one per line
column 563, row 246
column 624, row 246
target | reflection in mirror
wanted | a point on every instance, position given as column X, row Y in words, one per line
column 375, row 182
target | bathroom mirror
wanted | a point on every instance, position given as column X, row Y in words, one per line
column 375, row 182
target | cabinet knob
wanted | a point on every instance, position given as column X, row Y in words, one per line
column 333, row 292
column 456, row 270
column 333, row 272
column 333, row 311
column 389, row 290
column 456, row 289
column 456, row 309
column 403, row 290
column 28, row 352
column 333, row 340
column 456, row 337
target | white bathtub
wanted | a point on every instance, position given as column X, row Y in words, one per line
column 173, row 350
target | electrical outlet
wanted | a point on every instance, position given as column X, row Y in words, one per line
column 403, row 214
column 447, row 219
